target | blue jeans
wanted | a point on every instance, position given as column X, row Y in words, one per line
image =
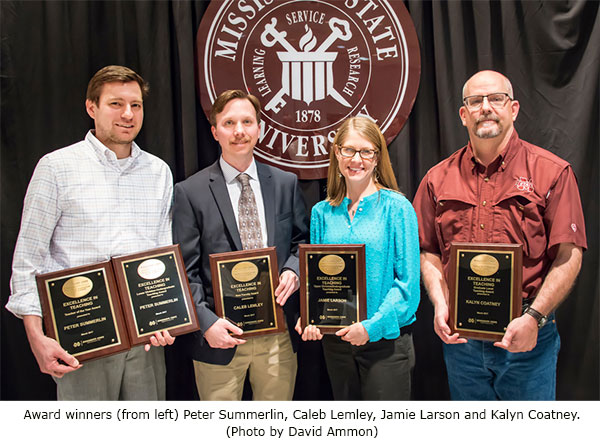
column 477, row 370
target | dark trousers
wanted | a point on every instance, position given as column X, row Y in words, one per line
column 375, row 371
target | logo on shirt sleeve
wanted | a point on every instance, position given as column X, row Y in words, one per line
column 525, row 185
column 574, row 228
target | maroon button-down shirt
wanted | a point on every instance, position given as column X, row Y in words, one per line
column 526, row 195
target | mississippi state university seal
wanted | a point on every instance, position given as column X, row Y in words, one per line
column 312, row 64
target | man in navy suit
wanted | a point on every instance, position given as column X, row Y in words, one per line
column 205, row 221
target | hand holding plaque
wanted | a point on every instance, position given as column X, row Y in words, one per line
column 332, row 286
column 485, row 289
column 244, row 284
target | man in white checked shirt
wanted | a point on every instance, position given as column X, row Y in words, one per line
column 238, row 204
column 98, row 198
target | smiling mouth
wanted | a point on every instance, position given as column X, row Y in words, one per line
column 125, row 126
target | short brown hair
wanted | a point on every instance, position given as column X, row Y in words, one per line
column 383, row 172
column 113, row 73
column 230, row 95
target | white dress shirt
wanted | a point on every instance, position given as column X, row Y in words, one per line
column 234, row 188
column 84, row 206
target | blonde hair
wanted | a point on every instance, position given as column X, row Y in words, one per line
column 383, row 173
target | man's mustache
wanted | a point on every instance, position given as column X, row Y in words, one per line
column 489, row 116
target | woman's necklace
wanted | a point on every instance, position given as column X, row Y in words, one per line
column 352, row 210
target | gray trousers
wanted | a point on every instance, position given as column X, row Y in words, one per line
column 131, row 375
column 375, row 371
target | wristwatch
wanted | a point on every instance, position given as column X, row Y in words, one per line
column 541, row 319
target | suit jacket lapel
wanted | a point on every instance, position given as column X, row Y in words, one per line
column 221, row 195
column 267, row 188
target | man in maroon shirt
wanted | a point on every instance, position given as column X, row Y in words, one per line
column 501, row 189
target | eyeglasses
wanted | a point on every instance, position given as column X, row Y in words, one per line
column 365, row 154
column 496, row 100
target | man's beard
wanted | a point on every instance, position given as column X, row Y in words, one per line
column 121, row 140
column 485, row 132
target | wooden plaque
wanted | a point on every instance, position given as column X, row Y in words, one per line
column 332, row 286
column 485, row 288
column 244, row 284
column 81, row 311
column 155, row 293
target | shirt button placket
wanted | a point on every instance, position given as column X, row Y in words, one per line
column 117, row 212
column 487, row 211
column 483, row 209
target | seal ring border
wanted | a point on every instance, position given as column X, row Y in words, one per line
column 389, row 119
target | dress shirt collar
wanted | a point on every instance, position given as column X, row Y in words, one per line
column 230, row 173
column 106, row 154
column 502, row 160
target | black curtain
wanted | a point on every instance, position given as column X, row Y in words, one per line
column 548, row 49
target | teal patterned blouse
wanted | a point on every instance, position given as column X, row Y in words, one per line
column 386, row 223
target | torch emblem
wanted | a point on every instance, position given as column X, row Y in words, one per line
column 307, row 74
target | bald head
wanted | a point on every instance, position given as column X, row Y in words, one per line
column 489, row 122
column 487, row 77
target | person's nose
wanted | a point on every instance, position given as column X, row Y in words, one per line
column 354, row 157
column 485, row 105
column 239, row 129
column 127, row 112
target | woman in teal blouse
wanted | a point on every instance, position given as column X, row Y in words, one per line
column 371, row 359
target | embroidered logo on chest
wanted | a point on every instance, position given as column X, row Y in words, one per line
column 524, row 185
